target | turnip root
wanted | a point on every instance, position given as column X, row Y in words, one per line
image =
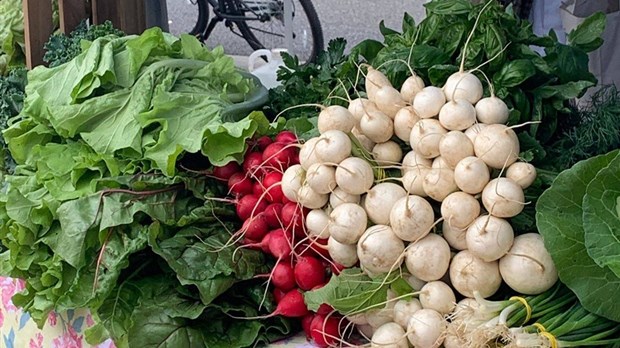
column 309, row 198
column 338, row 196
column 364, row 140
column 522, row 173
column 502, row 197
column 415, row 282
column 380, row 316
column 335, row 117
column 316, row 223
column 403, row 122
column 473, row 131
column 438, row 296
column 307, row 153
column 354, row 176
column 463, row 85
column 374, row 81
column 497, row 145
column 455, row 146
column 426, row 329
column 404, row 309
column 455, row 237
column 357, row 108
column 387, row 154
column 389, row 100
column 439, row 183
column 377, row 126
column 429, row 258
column 457, row 115
column 459, row 209
column 440, row 163
column 412, row 85
column 528, row 267
column 389, row 335
column 471, row 175
column 380, row 200
column 428, row 102
column 413, row 160
column 411, row 218
column 365, row 330
column 425, row 137
column 292, row 180
column 347, row 223
column 344, row 254
column 469, row 273
column 333, row 146
column 321, row 178
column 380, row 250
column 357, row 319
column 492, row 110
column 413, row 181
column 489, row 238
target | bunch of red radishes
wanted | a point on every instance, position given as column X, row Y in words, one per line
column 275, row 225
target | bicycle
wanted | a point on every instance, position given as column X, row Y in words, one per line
column 263, row 24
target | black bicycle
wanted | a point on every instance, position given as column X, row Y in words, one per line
column 264, row 23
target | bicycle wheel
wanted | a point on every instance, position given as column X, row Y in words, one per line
column 269, row 32
column 188, row 16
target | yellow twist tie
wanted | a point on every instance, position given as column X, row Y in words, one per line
column 540, row 327
column 551, row 338
column 528, row 309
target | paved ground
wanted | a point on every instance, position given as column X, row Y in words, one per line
column 355, row 20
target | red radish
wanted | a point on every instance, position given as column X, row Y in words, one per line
column 257, row 189
column 286, row 137
column 253, row 163
column 278, row 156
column 278, row 294
column 324, row 309
column 309, row 272
column 226, row 171
column 280, row 244
column 292, row 305
column 293, row 218
column 239, row 184
column 283, row 276
column 305, row 324
column 325, row 332
column 263, row 142
column 249, row 205
column 255, row 228
column 271, row 182
column 319, row 246
column 336, row 268
column 273, row 214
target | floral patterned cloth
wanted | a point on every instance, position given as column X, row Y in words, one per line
column 62, row 330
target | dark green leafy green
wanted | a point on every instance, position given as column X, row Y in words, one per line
column 559, row 218
column 12, row 87
column 588, row 34
column 601, row 220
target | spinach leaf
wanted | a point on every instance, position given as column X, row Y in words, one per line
column 559, row 218
column 588, row 34
column 601, row 220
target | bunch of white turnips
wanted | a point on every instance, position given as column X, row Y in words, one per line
column 463, row 156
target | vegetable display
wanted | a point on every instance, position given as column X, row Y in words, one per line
column 440, row 188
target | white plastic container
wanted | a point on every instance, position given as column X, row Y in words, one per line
column 266, row 71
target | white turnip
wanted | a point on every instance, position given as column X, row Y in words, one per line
column 429, row 258
column 489, row 238
column 471, row 175
column 411, row 218
column 403, row 122
column 338, row 196
column 333, row 146
column 335, row 117
column 389, row 335
column 412, row 85
column 377, row 126
column 292, row 180
column 344, row 254
column 426, row 329
column 425, row 137
column 503, row 197
column 354, row 176
column 457, row 115
column 455, row 146
column 379, row 201
column 428, row 102
column 459, row 209
column 492, row 110
column 497, row 145
column 316, row 223
column 522, row 173
column 463, row 85
column 347, row 223
column 380, row 250
column 469, row 273
column 389, row 100
column 438, row 296
column 439, row 183
column 321, row 178
column 387, row 154
column 404, row 309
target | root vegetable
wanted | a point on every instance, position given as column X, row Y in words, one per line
column 503, row 197
column 411, row 218
column 364, row 140
column 413, row 181
column 347, row 223
column 374, row 81
column 455, row 237
column 440, row 163
column 354, row 176
column 309, row 272
column 425, row 137
column 377, row 126
column 471, row 175
column 338, row 196
column 428, row 102
column 457, row 115
column 389, row 335
column 380, row 250
column 522, row 173
column 439, row 183
column 472, row 132
column 429, row 258
column 459, row 209
column 528, row 267
column 404, row 309
column 463, row 85
column 411, row 86
column 307, row 154
column 404, row 120
column 387, row 154
column 333, row 146
column 426, row 329
column 379, row 201
column 321, row 178
column 438, row 296
column 335, row 117
column 413, row 160
column 344, row 254
column 316, row 223
column 389, row 100
column 455, row 146
column 357, row 107
column 469, row 273
column 492, row 110
column 497, row 145
column 309, row 198
column 489, row 238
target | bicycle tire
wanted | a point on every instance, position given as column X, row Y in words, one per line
column 315, row 29
column 203, row 19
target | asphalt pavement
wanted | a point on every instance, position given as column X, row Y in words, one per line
column 354, row 20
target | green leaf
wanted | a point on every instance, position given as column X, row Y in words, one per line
column 514, row 73
column 569, row 63
column 588, row 34
column 600, row 217
column 449, row 7
column 438, row 74
column 559, row 218
column 352, row 291
column 568, row 90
